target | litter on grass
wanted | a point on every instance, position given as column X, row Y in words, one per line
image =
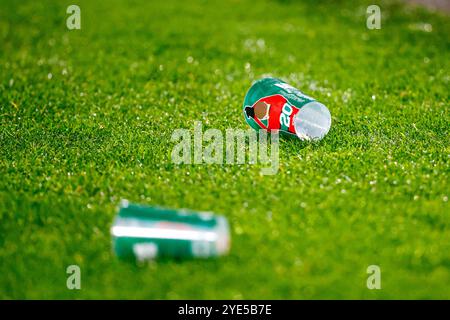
column 145, row 233
column 272, row 104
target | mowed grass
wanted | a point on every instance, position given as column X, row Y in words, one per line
column 86, row 118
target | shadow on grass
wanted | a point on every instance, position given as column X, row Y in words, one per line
column 292, row 144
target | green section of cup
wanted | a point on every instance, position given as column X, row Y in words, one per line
column 271, row 86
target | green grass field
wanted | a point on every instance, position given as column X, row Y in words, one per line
column 86, row 118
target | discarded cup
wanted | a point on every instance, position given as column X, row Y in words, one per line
column 272, row 104
column 145, row 233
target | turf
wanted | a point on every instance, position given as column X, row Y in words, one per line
column 86, row 118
